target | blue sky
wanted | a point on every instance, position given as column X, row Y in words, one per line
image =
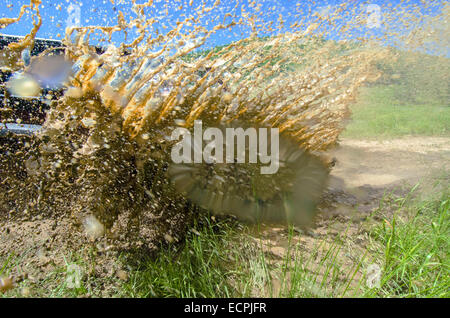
column 102, row 12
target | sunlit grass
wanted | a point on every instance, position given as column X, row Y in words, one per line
column 416, row 250
column 378, row 114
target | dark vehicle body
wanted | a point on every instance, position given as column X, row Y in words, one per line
column 16, row 112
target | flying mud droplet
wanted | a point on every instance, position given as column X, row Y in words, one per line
column 26, row 57
column 93, row 228
column 373, row 273
column 50, row 71
column 74, row 92
column 23, row 85
column 88, row 122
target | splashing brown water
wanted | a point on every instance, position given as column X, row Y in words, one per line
column 104, row 149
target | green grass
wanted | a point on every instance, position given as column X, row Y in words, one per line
column 225, row 263
column 416, row 249
column 379, row 114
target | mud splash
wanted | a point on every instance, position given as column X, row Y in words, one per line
column 104, row 147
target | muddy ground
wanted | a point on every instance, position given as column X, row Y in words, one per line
column 365, row 173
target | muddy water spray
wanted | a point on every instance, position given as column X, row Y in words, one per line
column 104, row 149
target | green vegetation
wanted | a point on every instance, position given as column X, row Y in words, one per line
column 379, row 114
column 411, row 246
column 412, row 97
column 419, row 79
